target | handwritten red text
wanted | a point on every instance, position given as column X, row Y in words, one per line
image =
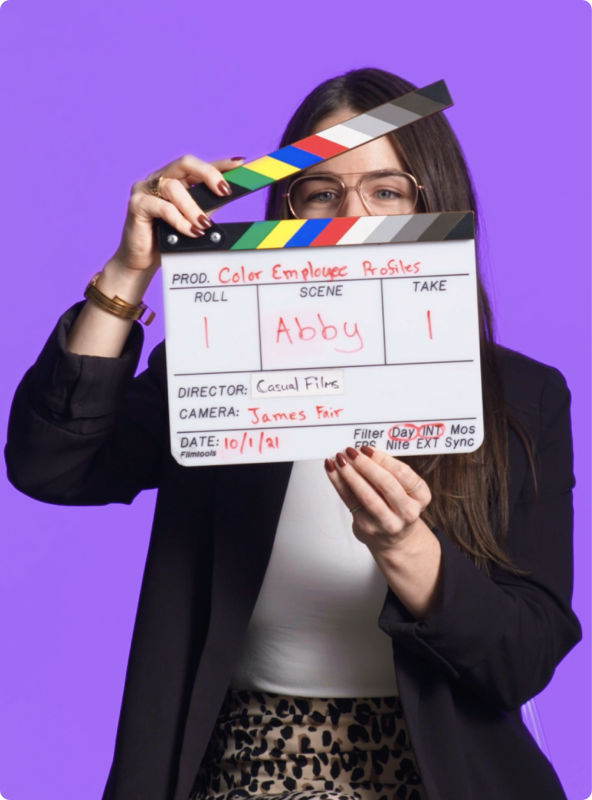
column 305, row 333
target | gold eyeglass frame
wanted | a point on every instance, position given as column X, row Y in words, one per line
column 346, row 189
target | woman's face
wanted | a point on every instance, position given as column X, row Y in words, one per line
column 376, row 155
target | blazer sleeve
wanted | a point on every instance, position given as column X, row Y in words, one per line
column 82, row 429
column 502, row 636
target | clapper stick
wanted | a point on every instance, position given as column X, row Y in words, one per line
column 326, row 144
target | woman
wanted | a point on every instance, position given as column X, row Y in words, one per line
column 243, row 622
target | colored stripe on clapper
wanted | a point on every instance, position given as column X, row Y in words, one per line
column 326, row 144
column 273, row 234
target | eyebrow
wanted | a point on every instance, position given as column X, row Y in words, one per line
column 305, row 173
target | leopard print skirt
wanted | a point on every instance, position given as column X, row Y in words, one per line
column 274, row 747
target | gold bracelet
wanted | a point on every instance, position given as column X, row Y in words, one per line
column 116, row 305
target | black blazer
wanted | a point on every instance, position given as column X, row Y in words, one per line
column 83, row 431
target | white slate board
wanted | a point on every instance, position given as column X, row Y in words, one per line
column 297, row 353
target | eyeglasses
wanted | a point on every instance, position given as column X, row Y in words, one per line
column 384, row 192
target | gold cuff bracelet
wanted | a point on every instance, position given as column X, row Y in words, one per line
column 116, row 305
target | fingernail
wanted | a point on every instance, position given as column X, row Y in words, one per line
column 237, row 158
column 205, row 221
column 368, row 451
column 353, row 454
column 224, row 188
column 340, row 460
column 196, row 231
column 329, row 465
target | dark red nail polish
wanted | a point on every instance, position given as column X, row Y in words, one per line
column 368, row 451
column 353, row 454
column 196, row 231
column 237, row 158
column 340, row 460
column 224, row 188
column 203, row 220
column 329, row 465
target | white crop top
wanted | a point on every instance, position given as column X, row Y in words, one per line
column 314, row 630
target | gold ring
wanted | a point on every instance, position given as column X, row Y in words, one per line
column 154, row 186
column 417, row 485
column 355, row 508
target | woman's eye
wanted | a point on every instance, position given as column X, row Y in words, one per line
column 322, row 197
column 386, row 194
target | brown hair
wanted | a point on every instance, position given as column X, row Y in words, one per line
column 469, row 490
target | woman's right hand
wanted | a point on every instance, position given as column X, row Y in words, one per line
column 137, row 256
column 128, row 273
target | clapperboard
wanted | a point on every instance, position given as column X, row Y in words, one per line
column 290, row 340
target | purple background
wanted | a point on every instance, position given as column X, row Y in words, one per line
column 95, row 96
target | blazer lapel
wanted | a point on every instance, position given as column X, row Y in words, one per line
column 249, row 501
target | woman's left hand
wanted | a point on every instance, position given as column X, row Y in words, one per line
column 385, row 495
column 387, row 498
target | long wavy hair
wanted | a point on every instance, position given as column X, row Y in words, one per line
column 469, row 490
